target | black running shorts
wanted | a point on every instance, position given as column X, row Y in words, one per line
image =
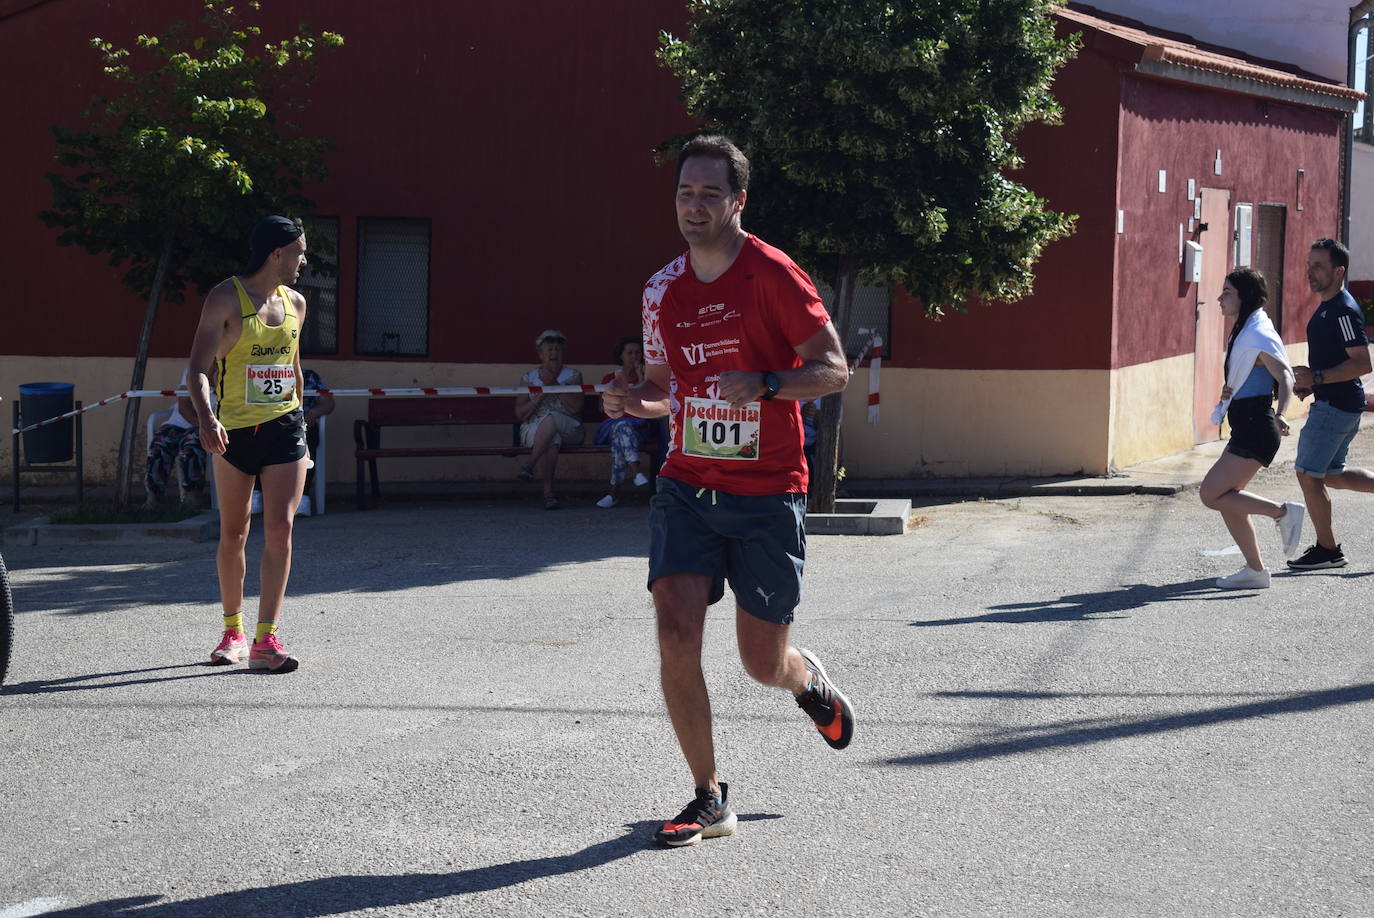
column 275, row 442
column 1254, row 429
column 757, row 543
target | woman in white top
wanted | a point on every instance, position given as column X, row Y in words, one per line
column 1256, row 369
column 548, row 421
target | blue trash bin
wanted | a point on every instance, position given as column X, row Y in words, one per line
column 39, row 401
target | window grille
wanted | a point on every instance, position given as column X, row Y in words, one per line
column 872, row 308
column 393, row 287
column 319, row 284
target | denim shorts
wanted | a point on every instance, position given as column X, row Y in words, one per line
column 1325, row 440
column 757, row 543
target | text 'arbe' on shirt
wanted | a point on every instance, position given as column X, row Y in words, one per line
column 752, row 318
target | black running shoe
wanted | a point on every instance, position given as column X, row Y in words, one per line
column 1316, row 558
column 707, row 816
column 827, row 706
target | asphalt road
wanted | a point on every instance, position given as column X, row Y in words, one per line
column 1058, row 716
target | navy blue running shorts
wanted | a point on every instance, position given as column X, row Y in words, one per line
column 275, row 442
column 757, row 543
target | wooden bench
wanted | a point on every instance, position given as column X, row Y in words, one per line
column 484, row 411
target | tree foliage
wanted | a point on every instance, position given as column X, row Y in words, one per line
column 883, row 132
column 196, row 137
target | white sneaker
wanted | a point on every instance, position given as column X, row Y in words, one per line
column 304, row 508
column 1290, row 527
column 640, row 480
column 255, row 505
column 607, row 502
column 1245, row 579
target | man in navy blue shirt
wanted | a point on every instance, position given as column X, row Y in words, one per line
column 1338, row 351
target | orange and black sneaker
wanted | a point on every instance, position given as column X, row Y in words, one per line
column 707, row 816
column 827, row 706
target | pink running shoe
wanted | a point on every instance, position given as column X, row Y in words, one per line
column 270, row 655
column 231, row 649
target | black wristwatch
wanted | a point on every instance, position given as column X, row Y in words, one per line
column 771, row 385
column 1317, row 377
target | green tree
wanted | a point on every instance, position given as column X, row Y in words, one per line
column 195, row 139
column 881, row 135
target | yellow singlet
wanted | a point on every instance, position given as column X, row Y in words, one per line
column 257, row 378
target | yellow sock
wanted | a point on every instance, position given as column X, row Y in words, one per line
column 264, row 629
column 234, row 622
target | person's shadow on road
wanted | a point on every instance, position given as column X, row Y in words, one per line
column 1078, row 606
column 89, row 680
column 344, row 894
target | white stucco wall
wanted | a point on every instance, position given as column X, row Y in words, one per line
column 1311, row 34
column 1362, row 213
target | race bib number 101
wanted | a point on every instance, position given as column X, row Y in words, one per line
column 271, row 384
column 711, row 429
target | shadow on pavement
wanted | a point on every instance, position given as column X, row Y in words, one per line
column 85, row 683
column 341, row 895
column 377, row 552
column 1078, row 606
column 1061, row 734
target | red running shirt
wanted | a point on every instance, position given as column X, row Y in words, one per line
column 751, row 318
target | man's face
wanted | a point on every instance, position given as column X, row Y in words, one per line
column 707, row 210
column 292, row 260
column 1322, row 274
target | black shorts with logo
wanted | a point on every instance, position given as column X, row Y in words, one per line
column 275, row 442
column 758, row 543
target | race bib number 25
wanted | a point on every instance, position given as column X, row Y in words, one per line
column 711, row 429
column 270, row 384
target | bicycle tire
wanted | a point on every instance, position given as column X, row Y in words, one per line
column 6, row 621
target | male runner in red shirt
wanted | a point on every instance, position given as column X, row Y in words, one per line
column 735, row 336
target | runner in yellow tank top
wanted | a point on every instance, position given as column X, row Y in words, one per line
column 257, row 378
column 248, row 339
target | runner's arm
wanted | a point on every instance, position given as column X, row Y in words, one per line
column 219, row 308
column 299, row 302
column 824, row 370
column 649, row 399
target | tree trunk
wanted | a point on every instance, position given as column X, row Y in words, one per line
column 131, row 409
column 824, row 471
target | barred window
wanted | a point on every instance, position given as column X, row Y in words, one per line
column 872, row 310
column 393, row 287
column 319, row 284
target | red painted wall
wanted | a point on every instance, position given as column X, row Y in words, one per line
column 1066, row 322
column 1179, row 128
column 522, row 130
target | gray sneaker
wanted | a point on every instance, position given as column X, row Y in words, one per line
column 1290, row 527
column 1245, row 579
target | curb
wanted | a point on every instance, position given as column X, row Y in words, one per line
column 862, row 517
column 202, row 527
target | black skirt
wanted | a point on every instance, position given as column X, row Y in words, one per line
column 1254, row 429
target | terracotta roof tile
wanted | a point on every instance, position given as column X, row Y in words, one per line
column 1182, row 50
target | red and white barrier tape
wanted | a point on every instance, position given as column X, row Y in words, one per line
column 422, row 390
column 875, row 366
column 875, row 342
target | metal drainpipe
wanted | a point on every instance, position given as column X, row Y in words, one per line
column 1348, row 153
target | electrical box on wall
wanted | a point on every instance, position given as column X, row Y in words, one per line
column 1192, row 262
column 1244, row 234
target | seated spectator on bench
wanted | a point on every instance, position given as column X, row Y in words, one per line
column 625, row 435
column 177, row 440
column 548, row 421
